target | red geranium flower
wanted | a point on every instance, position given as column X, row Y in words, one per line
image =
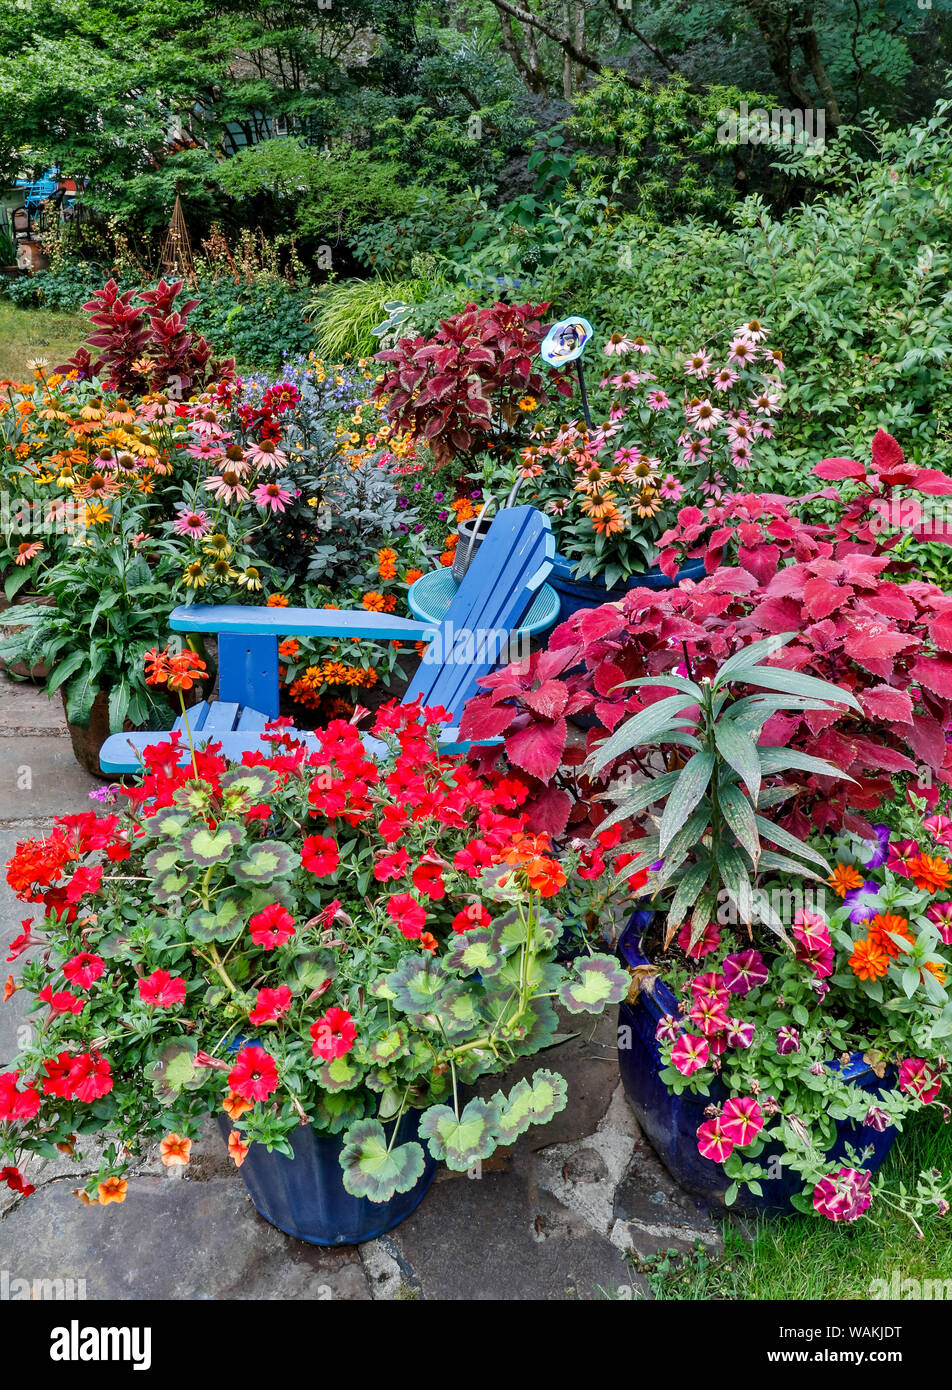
column 84, row 969
column 333, row 1034
column 162, row 990
column 475, row 915
column 271, row 927
column 320, row 855
column 254, row 1075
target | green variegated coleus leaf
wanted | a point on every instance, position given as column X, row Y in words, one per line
column 261, row 863
column 477, row 949
column 529, row 1103
column 206, row 847
column 373, row 1170
column 594, row 982
column 417, row 984
column 460, row 1141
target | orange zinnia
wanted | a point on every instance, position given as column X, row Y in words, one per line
column 843, row 878
column 935, row 968
column 175, row 1150
column 112, row 1190
column 880, row 927
column 930, row 873
column 869, row 961
column 276, row 601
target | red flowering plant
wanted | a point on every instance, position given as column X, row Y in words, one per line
column 333, row 939
column 862, row 619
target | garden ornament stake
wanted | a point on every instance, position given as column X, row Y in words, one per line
column 565, row 342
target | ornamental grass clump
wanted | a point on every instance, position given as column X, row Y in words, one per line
column 332, row 939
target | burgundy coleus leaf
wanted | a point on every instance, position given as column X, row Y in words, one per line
column 833, row 470
column 880, row 757
column 871, row 642
column 836, row 748
column 761, row 562
column 887, row 452
column 935, row 673
column 604, row 621
column 549, row 811
column 940, row 630
column 607, row 676
column 777, row 615
column 549, row 700
column 821, row 597
column 926, row 738
column 887, row 703
column 483, row 719
column 537, row 749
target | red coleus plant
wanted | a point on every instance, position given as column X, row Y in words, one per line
column 460, row 390
column 862, row 623
column 145, row 344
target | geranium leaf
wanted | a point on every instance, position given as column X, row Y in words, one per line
column 206, row 847
column 460, row 1143
column 371, row 1169
column 594, row 982
column 529, row 1103
column 263, row 862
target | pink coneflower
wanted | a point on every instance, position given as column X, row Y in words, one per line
column 698, row 363
column 742, row 353
column 765, row 404
column 626, row 381
column 774, row 358
column 671, row 489
column 192, row 524
column 740, row 456
column 266, row 454
column 618, row 345
column 714, row 487
column 695, row 450
column 724, row 379
column 704, row 416
column 763, row 429
column 207, row 425
column 739, row 432
column 657, row 400
column 206, row 449
column 626, row 456
column 227, row 487
column 751, row 332
column 272, row 495
column 27, row 551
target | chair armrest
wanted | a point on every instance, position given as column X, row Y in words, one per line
column 281, row 622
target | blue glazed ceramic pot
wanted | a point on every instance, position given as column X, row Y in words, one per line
column 671, row 1122
column 590, row 593
column 305, row 1196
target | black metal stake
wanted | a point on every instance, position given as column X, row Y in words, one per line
column 584, row 394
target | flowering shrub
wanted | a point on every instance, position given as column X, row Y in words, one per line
column 460, row 390
column 861, row 621
column 769, row 1035
column 673, row 425
column 320, row 939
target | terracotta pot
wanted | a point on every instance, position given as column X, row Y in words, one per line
column 88, row 741
column 40, row 671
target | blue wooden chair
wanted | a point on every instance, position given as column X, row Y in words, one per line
column 468, row 642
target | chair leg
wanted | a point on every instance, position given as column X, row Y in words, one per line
column 248, row 672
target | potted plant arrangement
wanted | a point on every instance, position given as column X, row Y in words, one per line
column 773, row 1057
column 326, row 951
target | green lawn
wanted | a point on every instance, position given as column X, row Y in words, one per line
column 29, row 333
column 811, row 1258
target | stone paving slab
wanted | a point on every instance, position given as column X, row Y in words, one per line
column 552, row 1218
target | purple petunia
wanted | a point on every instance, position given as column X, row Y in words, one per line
column 879, row 848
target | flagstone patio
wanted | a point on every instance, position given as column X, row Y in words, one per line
column 550, row 1218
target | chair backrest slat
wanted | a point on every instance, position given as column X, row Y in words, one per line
column 503, row 577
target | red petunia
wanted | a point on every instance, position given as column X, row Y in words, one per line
column 428, row 879
column 90, row 1077
column 254, row 1075
column 408, row 914
column 161, row 990
column 391, row 866
column 270, row 1004
column 14, row 1103
column 271, row 927
column 320, row 855
column 63, row 1001
column 84, row 969
column 333, row 1034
